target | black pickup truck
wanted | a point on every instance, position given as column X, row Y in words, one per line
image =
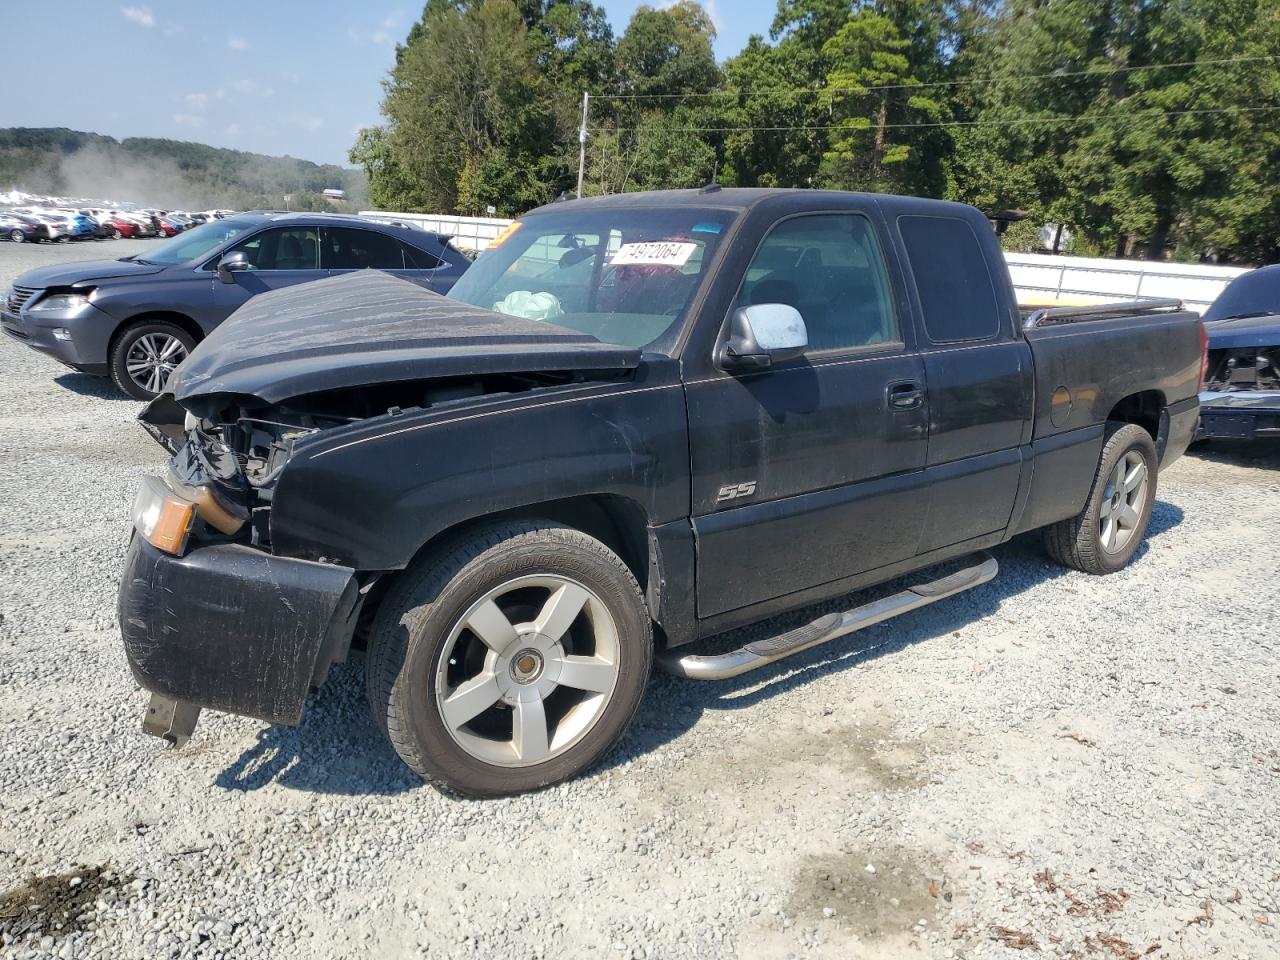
column 636, row 422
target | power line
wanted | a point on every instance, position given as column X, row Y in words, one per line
column 1055, row 75
column 949, row 123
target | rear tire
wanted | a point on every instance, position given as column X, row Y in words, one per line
column 129, row 350
column 547, row 603
column 1103, row 537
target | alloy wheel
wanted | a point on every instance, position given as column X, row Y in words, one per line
column 527, row 671
column 1123, row 500
column 151, row 358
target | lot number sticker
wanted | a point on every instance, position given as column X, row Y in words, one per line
column 667, row 253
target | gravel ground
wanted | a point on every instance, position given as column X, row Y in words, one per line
column 1053, row 763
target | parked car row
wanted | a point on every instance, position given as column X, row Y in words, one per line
column 31, row 224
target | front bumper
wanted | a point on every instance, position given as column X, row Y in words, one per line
column 1239, row 415
column 234, row 629
column 89, row 328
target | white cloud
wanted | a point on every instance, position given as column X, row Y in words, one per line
column 308, row 123
column 383, row 34
column 237, row 43
column 139, row 15
column 233, row 130
column 188, row 120
column 246, row 86
column 291, row 75
column 196, row 101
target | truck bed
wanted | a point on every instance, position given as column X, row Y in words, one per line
column 1088, row 361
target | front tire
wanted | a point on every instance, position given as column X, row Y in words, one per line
column 17, row 236
column 514, row 659
column 1103, row 537
column 145, row 354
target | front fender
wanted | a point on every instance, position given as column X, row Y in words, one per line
column 370, row 498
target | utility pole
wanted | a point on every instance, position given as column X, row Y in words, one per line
column 582, row 141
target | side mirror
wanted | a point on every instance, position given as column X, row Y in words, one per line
column 761, row 335
column 231, row 264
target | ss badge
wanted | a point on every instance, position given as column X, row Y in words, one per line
column 733, row 491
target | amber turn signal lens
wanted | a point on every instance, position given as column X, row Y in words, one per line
column 162, row 519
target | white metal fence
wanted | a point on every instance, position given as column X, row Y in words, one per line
column 474, row 233
column 1091, row 280
column 1035, row 276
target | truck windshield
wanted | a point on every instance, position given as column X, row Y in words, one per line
column 192, row 244
column 624, row 276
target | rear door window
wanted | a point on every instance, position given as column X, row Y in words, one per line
column 350, row 249
column 952, row 279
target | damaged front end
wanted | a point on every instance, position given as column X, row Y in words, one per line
column 225, row 466
column 211, row 614
column 209, row 617
column 233, row 601
column 1241, row 396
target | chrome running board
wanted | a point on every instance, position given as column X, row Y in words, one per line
column 758, row 653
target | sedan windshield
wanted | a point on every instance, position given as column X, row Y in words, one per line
column 624, row 276
column 193, row 244
column 1252, row 294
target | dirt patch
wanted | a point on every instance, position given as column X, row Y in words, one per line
column 824, row 753
column 57, row 904
column 879, row 895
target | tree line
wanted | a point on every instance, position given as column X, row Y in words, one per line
column 1150, row 127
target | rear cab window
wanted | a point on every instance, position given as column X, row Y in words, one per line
column 957, row 296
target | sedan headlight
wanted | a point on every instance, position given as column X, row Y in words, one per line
column 60, row 301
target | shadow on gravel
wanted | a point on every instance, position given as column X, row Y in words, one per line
column 339, row 750
column 1023, row 565
column 1239, row 453
column 100, row 388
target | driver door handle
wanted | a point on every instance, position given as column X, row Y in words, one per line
column 905, row 395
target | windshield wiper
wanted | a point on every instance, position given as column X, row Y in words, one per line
column 1248, row 316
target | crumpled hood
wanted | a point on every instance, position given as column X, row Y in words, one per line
column 1244, row 332
column 83, row 272
column 365, row 328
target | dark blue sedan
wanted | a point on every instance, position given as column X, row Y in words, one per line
column 137, row 318
column 1241, row 397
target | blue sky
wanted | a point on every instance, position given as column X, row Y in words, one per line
column 294, row 77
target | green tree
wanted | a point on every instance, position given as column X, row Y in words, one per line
column 468, row 119
column 871, row 88
column 1142, row 157
column 773, row 103
column 668, row 52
